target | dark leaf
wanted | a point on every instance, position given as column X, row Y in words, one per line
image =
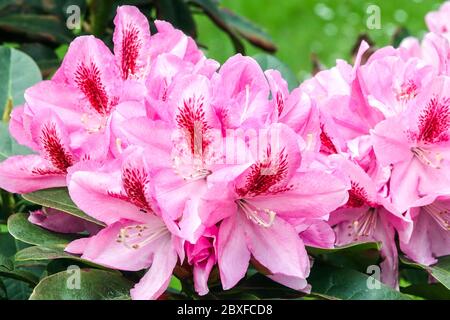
column 347, row 284
column 48, row 28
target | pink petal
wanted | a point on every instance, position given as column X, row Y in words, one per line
column 157, row 278
column 24, row 174
column 278, row 247
column 131, row 41
column 233, row 254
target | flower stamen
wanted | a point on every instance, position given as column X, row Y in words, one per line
column 262, row 217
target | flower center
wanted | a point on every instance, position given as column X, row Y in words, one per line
column 262, row 217
column 407, row 91
column 440, row 213
column 192, row 121
column 357, row 197
column 138, row 236
column 364, row 225
column 265, row 176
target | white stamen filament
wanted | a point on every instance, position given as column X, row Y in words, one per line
column 138, row 236
column 189, row 171
column 93, row 124
column 424, row 157
column 119, row 145
column 365, row 225
column 440, row 214
column 255, row 214
column 309, row 141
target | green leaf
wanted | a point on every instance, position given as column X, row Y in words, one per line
column 94, row 285
column 178, row 13
column 3, row 292
column 17, row 290
column 435, row 291
column 37, row 253
column 347, row 284
column 8, row 146
column 440, row 271
column 18, row 72
column 356, row 256
column 21, row 229
column 267, row 61
column 49, row 28
column 175, row 285
column 58, row 198
column 7, row 245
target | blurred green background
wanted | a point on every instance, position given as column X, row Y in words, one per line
column 328, row 28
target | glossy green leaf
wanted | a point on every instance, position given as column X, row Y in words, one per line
column 17, row 290
column 48, row 28
column 267, row 61
column 58, row 198
column 18, row 72
column 3, row 292
column 21, row 229
column 94, row 285
column 440, row 271
column 356, row 256
column 347, row 284
column 434, row 291
column 37, row 253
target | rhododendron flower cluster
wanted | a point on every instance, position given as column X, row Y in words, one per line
column 194, row 164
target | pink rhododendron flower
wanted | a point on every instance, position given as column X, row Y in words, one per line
column 256, row 202
column 437, row 21
column 133, row 246
column 416, row 145
column 136, row 236
column 180, row 157
column 430, row 238
column 367, row 216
